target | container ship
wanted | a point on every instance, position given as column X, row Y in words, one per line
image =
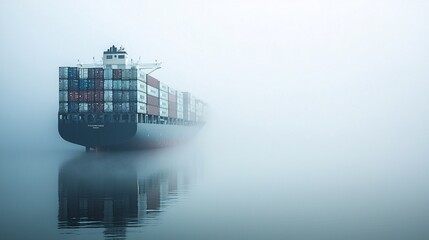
column 117, row 104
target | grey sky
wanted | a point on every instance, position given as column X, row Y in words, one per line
column 308, row 68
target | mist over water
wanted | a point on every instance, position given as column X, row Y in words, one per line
column 318, row 122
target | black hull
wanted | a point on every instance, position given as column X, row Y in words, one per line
column 120, row 136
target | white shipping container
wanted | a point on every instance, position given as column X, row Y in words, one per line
column 64, row 84
column 108, row 107
column 179, row 100
column 180, row 107
column 141, row 97
column 163, row 87
column 63, row 72
column 179, row 115
column 163, row 112
column 141, row 107
column 163, row 103
column 163, row 95
column 152, row 91
column 172, row 91
column 108, row 96
column 83, row 73
column 108, row 74
column 64, row 107
column 108, row 84
column 64, row 95
column 83, row 107
column 141, row 86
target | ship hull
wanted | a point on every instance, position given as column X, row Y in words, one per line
column 125, row 136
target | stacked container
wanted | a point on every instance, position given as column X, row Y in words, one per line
column 152, row 96
column 180, row 105
column 163, row 99
column 125, row 91
column 98, row 90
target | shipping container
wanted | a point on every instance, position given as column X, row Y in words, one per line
column 97, row 107
column 108, row 74
column 99, row 84
column 163, row 112
column 83, row 73
column 64, row 96
column 179, row 115
column 172, row 113
column 117, row 74
column 117, row 85
column 138, row 107
column 63, row 72
column 179, row 108
column 163, row 87
column 179, row 100
column 91, row 73
column 117, row 96
column 172, row 98
column 141, row 97
column 180, row 95
column 108, row 107
column 108, row 96
column 141, row 86
column 172, row 91
column 99, row 96
column 83, row 85
column 126, row 74
column 163, row 95
column 137, row 74
column 73, row 85
column 72, row 73
column 151, row 81
column 83, row 107
column 154, row 101
column 125, row 85
column 152, row 91
column 73, row 107
column 63, row 84
column 163, row 103
column 86, row 96
column 108, row 84
column 91, row 84
column 121, row 107
column 125, row 96
column 98, row 73
column 152, row 110
column 73, row 96
column 64, row 107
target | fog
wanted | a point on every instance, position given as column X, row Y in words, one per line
column 318, row 109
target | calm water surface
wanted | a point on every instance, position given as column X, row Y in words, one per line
column 257, row 190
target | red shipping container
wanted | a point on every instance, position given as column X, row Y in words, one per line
column 172, row 98
column 152, row 110
column 99, row 96
column 151, row 100
column 73, row 96
column 172, row 113
column 152, row 81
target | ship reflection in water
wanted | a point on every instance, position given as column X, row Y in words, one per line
column 116, row 193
